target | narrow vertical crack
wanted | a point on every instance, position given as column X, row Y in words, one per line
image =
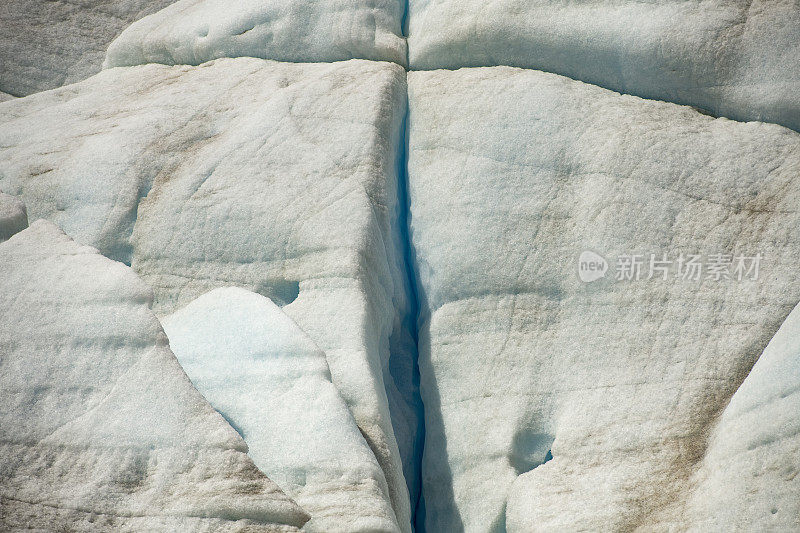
column 412, row 323
column 413, row 311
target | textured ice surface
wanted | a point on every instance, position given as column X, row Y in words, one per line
column 512, row 175
column 735, row 58
column 47, row 43
column 195, row 31
column 13, row 216
column 277, row 177
column 100, row 429
column 5, row 97
column 272, row 383
column 749, row 478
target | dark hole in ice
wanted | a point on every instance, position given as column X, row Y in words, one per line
column 282, row 292
column 529, row 450
column 242, row 32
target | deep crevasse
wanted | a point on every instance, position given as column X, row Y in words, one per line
column 414, row 483
column 523, row 306
column 414, row 314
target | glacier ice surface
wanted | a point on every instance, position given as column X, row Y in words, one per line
column 618, row 381
column 551, row 404
column 13, row 216
column 195, row 31
column 739, row 59
column 280, row 178
column 48, row 43
column 272, row 383
column 748, row 480
column 100, row 428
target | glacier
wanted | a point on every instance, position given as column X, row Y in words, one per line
column 282, row 179
column 272, row 383
column 397, row 266
column 45, row 44
column 618, row 380
column 100, row 429
column 749, row 476
column 739, row 59
column 196, row 31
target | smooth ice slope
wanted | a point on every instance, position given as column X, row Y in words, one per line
column 13, row 216
column 736, row 58
column 45, row 43
column 277, row 177
column 749, row 478
column 272, row 383
column 84, row 155
column 99, row 427
column 512, row 175
column 195, row 31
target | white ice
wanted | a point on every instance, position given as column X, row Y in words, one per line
column 618, row 380
column 100, row 429
column 551, row 404
column 277, row 177
column 733, row 58
column 272, row 383
column 195, row 31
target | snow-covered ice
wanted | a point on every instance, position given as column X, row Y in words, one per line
column 272, row 383
column 13, row 216
column 48, row 43
column 84, row 155
column 277, row 177
column 520, row 360
column 195, row 31
column 749, row 477
column 740, row 59
column 100, row 429
column 305, row 229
